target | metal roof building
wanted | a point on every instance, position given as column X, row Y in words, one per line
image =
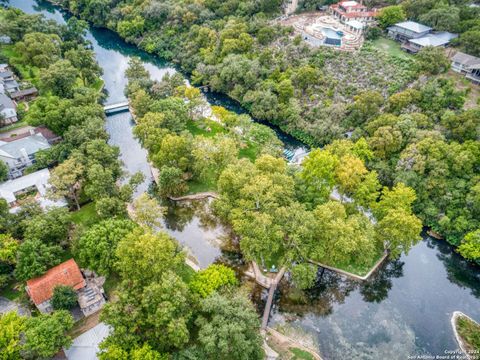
column 86, row 346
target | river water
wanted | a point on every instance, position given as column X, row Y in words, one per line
column 403, row 310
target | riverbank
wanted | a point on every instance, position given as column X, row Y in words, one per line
column 467, row 334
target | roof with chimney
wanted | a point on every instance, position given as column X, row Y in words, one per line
column 68, row 273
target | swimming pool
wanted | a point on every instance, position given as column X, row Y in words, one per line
column 332, row 37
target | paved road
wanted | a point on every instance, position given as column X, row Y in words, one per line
column 8, row 305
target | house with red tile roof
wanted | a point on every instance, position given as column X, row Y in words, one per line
column 89, row 289
column 347, row 11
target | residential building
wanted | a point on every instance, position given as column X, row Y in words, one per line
column 415, row 36
column 468, row 65
column 347, row 11
column 8, row 110
column 27, row 94
column 86, row 346
column 19, row 154
column 407, row 30
column 439, row 39
column 89, row 288
column 35, row 184
column 4, row 39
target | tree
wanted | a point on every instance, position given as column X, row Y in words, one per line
column 3, row 171
column 229, row 328
column 8, row 249
column 366, row 106
column 304, row 275
column 391, row 15
column 401, row 197
column 442, row 18
column 470, row 247
column 212, row 155
column 144, row 256
column 60, row 78
column 174, row 151
column 470, row 42
column 39, row 49
column 84, row 61
column 398, row 231
column 34, row 258
column 115, row 352
column 206, row 281
column 63, row 298
column 46, row 334
column 318, row 175
column 148, row 212
column 12, row 326
column 432, row 60
column 67, row 179
column 156, row 314
column 49, row 227
column 96, row 247
column 171, row 182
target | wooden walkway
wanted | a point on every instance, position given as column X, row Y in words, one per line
column 271, row 293
column 197, row 196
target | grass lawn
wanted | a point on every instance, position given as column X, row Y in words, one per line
column 300, row 354
column 9, row 292
column 186, row 273
column 469, row 332
column 207, row 128
column 14, row 126
column 196, row 186
column 250, row 152
column 86, row 216
column 111, row 284
column 391, row 47
column 357, row 269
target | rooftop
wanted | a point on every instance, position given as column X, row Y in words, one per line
column 6, row 74
column 413, row 26
column 466, row 60
column 85, row 347
column 22, row 93
column 39, row 179
column 67, row 273
column 6, row 102
column 27, row 145
column 434, row 39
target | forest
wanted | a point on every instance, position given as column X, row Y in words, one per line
column 412, row 117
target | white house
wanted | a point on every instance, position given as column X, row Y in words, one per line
column 20, row 153
column 35, row 182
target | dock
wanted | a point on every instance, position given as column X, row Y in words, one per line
column 271, row 293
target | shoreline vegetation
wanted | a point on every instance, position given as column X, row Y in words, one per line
column 404, row 108
column 467, row 334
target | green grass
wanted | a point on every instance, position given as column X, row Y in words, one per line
column 249, row 152
column 391, row 47
column 301, row 354
column 207, row 128
column 86, row 216
column 111, row 284
column 357, row 269
column 9, row 292
column 197, row 185
column 469, row 332
column 17, row 125
column 186, row 273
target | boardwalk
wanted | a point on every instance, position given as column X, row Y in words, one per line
column 271, row 293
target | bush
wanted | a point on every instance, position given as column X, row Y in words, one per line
column 64, row 298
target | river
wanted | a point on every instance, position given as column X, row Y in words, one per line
column 403, row 310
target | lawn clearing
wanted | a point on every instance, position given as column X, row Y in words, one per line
column 391, row 47
column 86, row 216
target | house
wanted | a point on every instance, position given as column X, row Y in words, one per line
column 86, row 346
column 468, row 65
column 89, row 289
column 415, row 36
column 19, row 154
column 438, row 39
column 3, row 67
column 27, row 94
column 347, row 11
column 35, row 183
column 21, row 133
column 8, row 110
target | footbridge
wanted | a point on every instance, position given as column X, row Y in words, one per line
column 117, row 107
